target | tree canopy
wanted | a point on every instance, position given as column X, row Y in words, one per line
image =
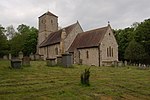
column 3, row 42
column 137, row 36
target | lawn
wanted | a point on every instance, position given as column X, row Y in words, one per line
column 40, row 82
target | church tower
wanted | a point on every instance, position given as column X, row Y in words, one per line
column 48, row 23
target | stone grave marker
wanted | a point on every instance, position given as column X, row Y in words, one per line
column 26, row 61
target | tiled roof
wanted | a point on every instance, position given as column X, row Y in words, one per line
column 87, row 39
column 55, row 37
column 49, row 13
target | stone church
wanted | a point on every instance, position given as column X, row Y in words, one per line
column 94, row 47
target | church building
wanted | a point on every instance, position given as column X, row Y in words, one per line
column 96, row 47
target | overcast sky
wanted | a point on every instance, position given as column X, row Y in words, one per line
column 90, row 13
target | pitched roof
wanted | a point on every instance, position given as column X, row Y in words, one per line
column 87, row 39
column 49, row 13
column 55, row 37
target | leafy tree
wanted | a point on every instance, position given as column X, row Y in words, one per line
column 10, row 32
column 142, row 35
column 30, row 42
column 135, row 52
column 3, row 42
column 25, row 40
column 123, row 37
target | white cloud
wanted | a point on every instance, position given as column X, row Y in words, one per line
column 90, row 13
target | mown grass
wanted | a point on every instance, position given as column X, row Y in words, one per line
column 39, row 82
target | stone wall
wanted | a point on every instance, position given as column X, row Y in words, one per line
column 71, row 36
column 109, row 41
column 52, row 51
column 92, row 58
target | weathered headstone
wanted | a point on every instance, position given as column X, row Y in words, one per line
column 16, row 63
column 37, row 56
column 9, row 56
column 59, row 60
column 50, row 61
column 32, row 56
column 5, row 57
column 115, row 63
column 66, row 60
column 20, row 55
column 26, row 61
column 120, row 63
column 125, row 63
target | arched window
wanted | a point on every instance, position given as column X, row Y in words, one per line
column 56, row 51
column 79, row 54
column 109, row 51
column 112, row 52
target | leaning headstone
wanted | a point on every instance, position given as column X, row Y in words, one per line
column 26, row 61
column 9, row 56
column 20, row 55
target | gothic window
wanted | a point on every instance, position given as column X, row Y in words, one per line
column 112, row 52
column 79, row 54
column 109, row 33
column 87, row 54
column 56, row 51
column 109, row 51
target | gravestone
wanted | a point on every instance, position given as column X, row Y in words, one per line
column 16, row 63
column 125, row 63
column 50, row 62
column 120, row 63
column 9, row 56
column 26, row 61
column 114, row 63
column 5, row 57
column 37, row 57
column 20, row 55
column 59, row 60
column 66, row 60
column 32, row 56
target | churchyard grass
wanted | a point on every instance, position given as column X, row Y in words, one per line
column 40, row 82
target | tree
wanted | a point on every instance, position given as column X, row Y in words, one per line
column 3, row 42
column 30, row 42
column 25, row 40
column 123, row 37
column 142, row 35
column 10, row 32
column 135, row 52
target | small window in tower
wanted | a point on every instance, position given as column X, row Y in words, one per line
column 109, row 33
column 52, row 21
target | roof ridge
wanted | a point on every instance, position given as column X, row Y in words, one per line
column 95, row 29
